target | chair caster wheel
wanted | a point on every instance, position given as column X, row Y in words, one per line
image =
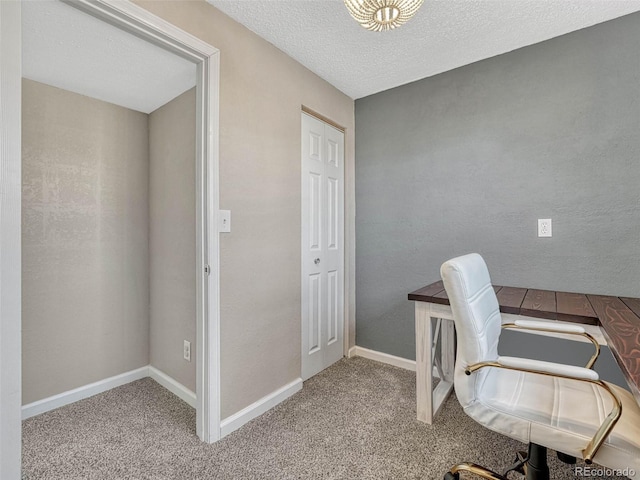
column 452, row 476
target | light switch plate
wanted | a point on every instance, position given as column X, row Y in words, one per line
column 224, row 221
column 544, row 227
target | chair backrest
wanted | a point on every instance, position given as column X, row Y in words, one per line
column 477, row 319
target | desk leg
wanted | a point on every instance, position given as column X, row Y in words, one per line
column 430, row 400
column 424, row 365
column 447, row 360
column 447, row 348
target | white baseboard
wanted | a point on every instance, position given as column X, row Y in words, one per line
column 173, row 386
column 259, row 407
column 383, row 358
column 65, row 398
column 86, row 391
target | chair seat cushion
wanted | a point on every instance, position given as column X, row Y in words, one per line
column 558, row 413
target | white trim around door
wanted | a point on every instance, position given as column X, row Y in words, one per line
column 142, row 23
column 349, row 339
column 10, row 239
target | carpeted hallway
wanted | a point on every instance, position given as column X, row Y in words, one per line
column 355, row 420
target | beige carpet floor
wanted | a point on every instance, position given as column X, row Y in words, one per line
column 355, row 420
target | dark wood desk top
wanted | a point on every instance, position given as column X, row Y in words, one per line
column 618, row 317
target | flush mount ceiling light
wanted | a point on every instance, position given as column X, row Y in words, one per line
column 380, row 15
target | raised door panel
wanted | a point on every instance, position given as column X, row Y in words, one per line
column 315, row 146
column 333, row 152
column 332, row 213
column 333, row 307
column 314, row 313
column 315, row 213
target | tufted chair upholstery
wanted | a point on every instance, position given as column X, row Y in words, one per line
column 558, row 406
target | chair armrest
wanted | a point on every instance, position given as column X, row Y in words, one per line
column 570, row 372
column 563, row 328
column 551, row 368
column 555, row 327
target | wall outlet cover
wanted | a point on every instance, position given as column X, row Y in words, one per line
column 544, row 227
column 187, row 351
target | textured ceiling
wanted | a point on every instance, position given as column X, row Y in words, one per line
column 445, row 34
column 68, row 49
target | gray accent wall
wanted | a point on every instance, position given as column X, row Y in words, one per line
column 85, row 227
column 468, row 160
column 172, row 237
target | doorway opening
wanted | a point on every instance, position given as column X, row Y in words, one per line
column 100, row 220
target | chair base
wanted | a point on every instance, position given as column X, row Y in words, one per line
column 454, row 473
column 534, row 467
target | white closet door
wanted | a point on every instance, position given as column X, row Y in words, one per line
column 322, row 245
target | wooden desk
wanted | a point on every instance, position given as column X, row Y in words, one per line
column 613, row 321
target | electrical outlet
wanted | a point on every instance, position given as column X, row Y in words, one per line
column 187, row 351
column 544, row 227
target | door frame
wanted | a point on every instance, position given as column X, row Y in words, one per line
column 140, row 22
column 10, row 240
column 349, row 233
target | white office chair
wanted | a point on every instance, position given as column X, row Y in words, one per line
column 565, row 408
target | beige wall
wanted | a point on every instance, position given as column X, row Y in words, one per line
column 172, row 237
column 84, row 239
column 261, row 94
